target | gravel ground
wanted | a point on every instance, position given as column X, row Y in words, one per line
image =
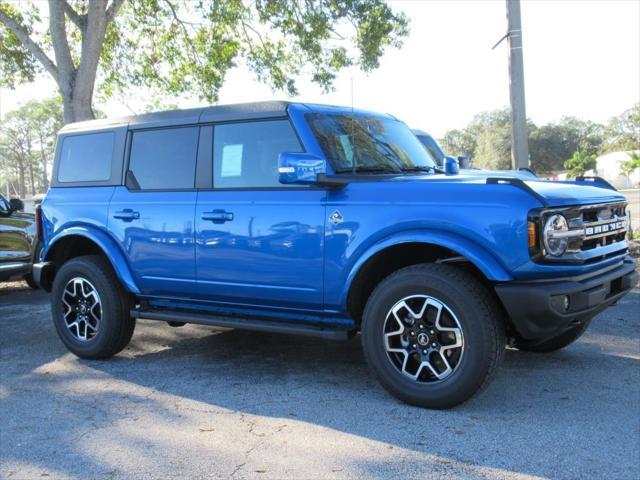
column 197, row 402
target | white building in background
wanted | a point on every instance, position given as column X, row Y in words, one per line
column 609, row 167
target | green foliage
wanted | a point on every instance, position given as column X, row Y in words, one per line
column 487, row 139
column 17, row 65
column 27, row 141
column 630, row 165
column 179, row 47
column 458, row 142
column 623, row 131
column 579, row 163
column 550, row 145
column 188, row 47
column 493, row 140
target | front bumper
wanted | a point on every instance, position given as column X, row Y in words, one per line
column 537, row 308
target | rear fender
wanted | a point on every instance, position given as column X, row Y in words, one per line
column 109, row 247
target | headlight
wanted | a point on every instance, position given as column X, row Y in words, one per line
column 555, row 235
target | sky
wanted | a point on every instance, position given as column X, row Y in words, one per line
column 581, row 58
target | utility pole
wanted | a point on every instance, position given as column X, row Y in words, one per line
column 519, row 135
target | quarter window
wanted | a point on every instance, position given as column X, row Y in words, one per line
column 164, row 159
column 86, row 158
column 245, row 155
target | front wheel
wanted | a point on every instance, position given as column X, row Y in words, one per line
column 91, row 311
column 433, row 335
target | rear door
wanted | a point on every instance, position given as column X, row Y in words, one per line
column 152, row 216
column 258, row 242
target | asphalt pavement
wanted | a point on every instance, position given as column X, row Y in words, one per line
column 198, row 402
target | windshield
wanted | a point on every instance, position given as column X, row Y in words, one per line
column 431, row 145
column 360, row 143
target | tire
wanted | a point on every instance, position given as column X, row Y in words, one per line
column 464, row 301
column 555, row 343
column 108, row 326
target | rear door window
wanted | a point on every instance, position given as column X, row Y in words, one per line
column 164, row 159
column 86, row 158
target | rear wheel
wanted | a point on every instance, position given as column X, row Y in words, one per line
column 555, row 343
column 90, row 308
column 433, row 335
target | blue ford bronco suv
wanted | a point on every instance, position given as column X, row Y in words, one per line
column 322, row 221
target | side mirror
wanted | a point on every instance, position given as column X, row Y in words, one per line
column 306, row 169
column 16, row 205
column 300, row 168
column 451, row 166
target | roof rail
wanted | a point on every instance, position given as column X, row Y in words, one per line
column 517, row 182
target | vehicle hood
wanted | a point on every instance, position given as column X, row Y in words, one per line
column 553, row 193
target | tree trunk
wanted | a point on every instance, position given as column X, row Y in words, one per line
column 32, row 179
column 66, row 71
column 29, row 161
column 21, row 185
column 76, row 83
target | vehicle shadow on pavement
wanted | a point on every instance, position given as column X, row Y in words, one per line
column 226, row 397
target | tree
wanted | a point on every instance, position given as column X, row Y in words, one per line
column 27, row 141
column 580, row 163
column 623, row 132
column 15, row 154
column 629, row 166
column 493, row 150
column 583, row 135
column 552, row 144
column 181, row 47
column 487, row 139
column 458, row 142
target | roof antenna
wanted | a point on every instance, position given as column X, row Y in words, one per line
column 351, row 94
column 353, row 134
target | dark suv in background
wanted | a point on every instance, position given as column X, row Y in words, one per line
column 18, row 244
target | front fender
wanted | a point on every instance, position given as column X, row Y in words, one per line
column 491, row 268
column 108, row 247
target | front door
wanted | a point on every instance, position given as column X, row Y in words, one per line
column 153, row 216
column 258, row 242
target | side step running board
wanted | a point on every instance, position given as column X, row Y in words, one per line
column 241, row 323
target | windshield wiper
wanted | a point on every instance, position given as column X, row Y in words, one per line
column 371, row 169
column 422, row 168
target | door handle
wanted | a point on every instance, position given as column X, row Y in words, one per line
column 127, row 215
column 218, row 216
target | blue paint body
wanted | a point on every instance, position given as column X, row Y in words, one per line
column 279, row 253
